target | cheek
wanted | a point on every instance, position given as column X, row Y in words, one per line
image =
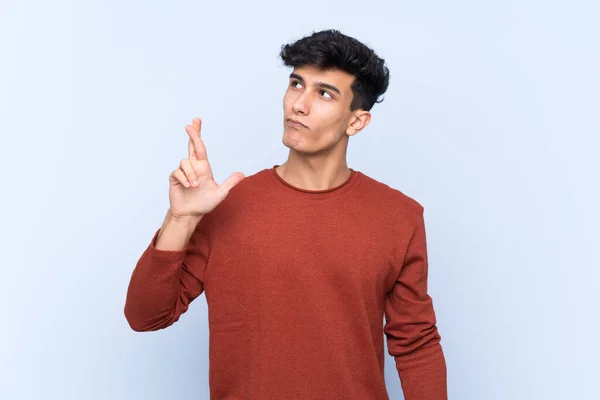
column 330, row 120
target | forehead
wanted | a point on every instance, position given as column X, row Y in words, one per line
column 336, row 77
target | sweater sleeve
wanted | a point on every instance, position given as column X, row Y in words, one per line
column 165, row 282
column 412, row 336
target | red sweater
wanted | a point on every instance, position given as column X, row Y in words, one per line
column 297, row 284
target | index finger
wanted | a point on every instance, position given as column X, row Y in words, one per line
column 196, row 146
column 195, row 124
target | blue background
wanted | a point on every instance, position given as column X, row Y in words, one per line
column 490, row 122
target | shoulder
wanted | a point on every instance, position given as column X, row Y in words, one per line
column 391, row 199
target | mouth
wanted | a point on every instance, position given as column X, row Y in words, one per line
column 295, row 123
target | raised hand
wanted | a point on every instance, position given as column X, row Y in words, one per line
column 193, row 191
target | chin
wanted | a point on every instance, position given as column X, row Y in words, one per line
column 287, row 143
column 291, row 138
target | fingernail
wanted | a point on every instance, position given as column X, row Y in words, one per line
column 187, row 184
column 195, row 182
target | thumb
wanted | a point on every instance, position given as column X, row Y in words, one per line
column 230, row 182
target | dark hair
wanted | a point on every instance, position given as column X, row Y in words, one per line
column 331, row 49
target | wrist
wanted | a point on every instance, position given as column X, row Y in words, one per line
column 175, row 232
column 183, row 219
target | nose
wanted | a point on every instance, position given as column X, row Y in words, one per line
column 300, row 105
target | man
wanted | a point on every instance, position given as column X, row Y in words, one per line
column 299, row 262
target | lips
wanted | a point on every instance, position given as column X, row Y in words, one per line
column 296, row 122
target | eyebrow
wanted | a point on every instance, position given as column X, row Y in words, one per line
column 318, row 84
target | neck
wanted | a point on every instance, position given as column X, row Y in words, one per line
column 313, row 173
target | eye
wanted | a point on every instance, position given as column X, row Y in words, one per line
column 293, row 83
column 327, row 93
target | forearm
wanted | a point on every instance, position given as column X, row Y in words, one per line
column 154, row 296
column 426, row 378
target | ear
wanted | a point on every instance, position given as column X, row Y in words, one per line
column 359, row 121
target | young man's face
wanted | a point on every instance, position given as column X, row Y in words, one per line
column 320, row 100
